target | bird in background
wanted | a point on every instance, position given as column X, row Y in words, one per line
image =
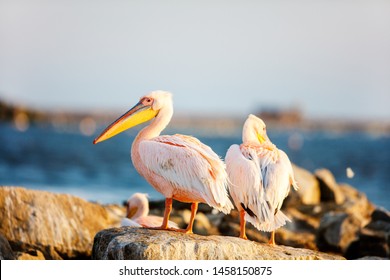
column 137, row 213
column 180, row 167
column 260, row 178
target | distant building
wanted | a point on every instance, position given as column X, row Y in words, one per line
column 284, row 116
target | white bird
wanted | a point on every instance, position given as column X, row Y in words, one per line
column 260, row 178
column 137, row 213
column 178, row 166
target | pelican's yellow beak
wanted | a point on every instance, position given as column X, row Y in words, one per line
column 261, row 138
column 131, row 212
column 135, row 116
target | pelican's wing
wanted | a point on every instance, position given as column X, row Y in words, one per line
column 246, row 183
column 188, row 165
column 285, row 161
column 277, row 171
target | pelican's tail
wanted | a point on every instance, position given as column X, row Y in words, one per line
column 279, row 220
column 220, row 201
column 218, row 196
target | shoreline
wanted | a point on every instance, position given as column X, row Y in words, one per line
column 326, row 216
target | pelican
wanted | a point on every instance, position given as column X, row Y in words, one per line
column 180, row 167
column 260, row 178
column 137, row 210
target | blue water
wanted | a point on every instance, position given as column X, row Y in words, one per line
column 67, row 161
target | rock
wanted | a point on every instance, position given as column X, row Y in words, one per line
column 370, row 243
column 302, row 221
column 337, row 231
column 309, row 189
column 6, row 252
column 374, row 238
column 25, row 251
column 56, row 225
column 380, row 214
column 305, row 240
column 374, row 243
column 356, row 203
column 145, row 244
column 330, row 191
column 36, row 255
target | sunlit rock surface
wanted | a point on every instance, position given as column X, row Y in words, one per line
column 51, row 226
column 145, row 244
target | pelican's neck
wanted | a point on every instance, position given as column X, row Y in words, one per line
column 154, row 129
column 142, row 211
column 158, row 124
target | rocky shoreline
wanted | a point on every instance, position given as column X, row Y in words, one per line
column 326, row 217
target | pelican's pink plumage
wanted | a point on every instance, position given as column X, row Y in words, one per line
column 260, row 179
column 137, row 213
column 178, row 166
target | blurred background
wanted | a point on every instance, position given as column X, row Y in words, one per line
column 318, row 73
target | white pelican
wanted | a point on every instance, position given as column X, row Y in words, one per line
column 260, row 177
column 180, row 167
column 137, row 210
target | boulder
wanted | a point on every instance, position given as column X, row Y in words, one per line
column 337, row 231
column 145, row 244
column 309, row 189
column 370, row 244
column 380, row 214
column 57, row 226
column 374, row 238
column 330, row 190
column 356, row 203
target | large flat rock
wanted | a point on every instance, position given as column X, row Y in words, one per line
column 146, row 244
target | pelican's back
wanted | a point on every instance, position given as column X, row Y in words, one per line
column 260, row 179
column 246, row 184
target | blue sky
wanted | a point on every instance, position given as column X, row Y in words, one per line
column 331, row 58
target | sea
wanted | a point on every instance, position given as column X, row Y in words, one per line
column 64, row 160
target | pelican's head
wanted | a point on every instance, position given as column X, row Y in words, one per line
column 146, row 109
column 137, row 205
column 254, row 130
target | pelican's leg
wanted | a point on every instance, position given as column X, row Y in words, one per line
column 194, row 209
column 242, row 225
column 272, row 239
column 167, row 213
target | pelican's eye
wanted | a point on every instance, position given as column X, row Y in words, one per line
column 147, row 101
